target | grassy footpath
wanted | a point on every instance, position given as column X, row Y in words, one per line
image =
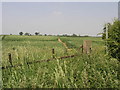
column 96, row 70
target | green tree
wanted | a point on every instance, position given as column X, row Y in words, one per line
column 27, row 34
column 20, row 33
column 36, row 33
column 74, row 35
column 45, row 35
column 113, row 42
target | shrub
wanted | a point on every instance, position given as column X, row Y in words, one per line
column 113, row 42
column 20, row 33
column 27, row 33
column 36, row 33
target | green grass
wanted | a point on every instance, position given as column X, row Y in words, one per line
column 75, row 42
column 96, row 70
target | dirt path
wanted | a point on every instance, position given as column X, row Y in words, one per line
column 59, row 40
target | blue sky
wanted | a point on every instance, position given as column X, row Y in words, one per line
column 84, row 18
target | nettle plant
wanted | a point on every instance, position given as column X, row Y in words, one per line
column 113, row 41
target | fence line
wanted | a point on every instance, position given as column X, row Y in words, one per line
column 53, row 55
column 39, row 61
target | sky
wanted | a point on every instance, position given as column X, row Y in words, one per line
column 119, row 10
column 0, row 17
column 82, row 18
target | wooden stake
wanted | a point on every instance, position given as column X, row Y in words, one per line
column 53, row 53
column 87, row 45
column 82, row 48
column 10, row 58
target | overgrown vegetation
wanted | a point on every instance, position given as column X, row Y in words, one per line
column 96, row 70
column 113, row 42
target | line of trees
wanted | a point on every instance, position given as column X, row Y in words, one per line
column 21, row 33
column 37, row 33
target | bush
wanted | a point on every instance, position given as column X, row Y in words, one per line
column 20, row 33
column 28, row 34
column 36, row 33
column 113, row 42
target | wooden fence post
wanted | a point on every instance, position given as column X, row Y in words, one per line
column 82, row 48
column 53, row 53
column 87, row 46
column 10, row 58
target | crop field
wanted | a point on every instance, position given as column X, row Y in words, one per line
column 94, row 70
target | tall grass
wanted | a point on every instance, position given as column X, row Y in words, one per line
column 0, row 62
column 96, row 70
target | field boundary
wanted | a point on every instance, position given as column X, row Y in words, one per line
column 38, row 61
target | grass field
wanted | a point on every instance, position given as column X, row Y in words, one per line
column 96, row 70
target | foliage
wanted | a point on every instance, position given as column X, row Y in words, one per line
column 84, row 71
column 36, row 33
column 20, row 33
column 114, row 39
column 3, row 37
column 45, row 34
column 27, row 34
column 74, row 35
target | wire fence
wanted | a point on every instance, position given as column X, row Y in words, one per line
column 37, row 61
column 86, row 48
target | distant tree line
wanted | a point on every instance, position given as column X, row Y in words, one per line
column 28, row 34
column 37, row 33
